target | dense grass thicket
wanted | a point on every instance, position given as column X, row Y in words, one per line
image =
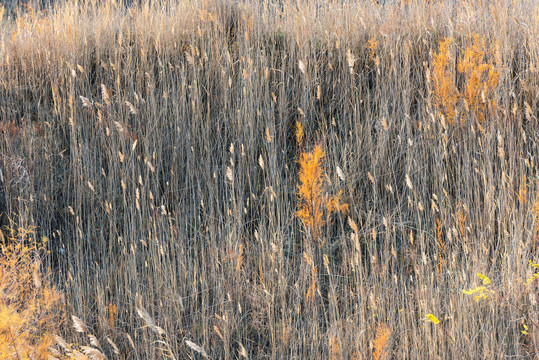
column 288, row 180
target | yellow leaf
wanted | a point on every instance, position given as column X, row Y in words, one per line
column 432, row 318
column 485, row 279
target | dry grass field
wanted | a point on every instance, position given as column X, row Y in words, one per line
column 269, row 180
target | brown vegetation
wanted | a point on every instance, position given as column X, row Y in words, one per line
column 186, row 161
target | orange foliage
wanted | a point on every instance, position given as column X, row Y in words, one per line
column 299, row 133
column 335, row 348
column 381, row 342
column 445, row 92
column 481, row 79
column 535, row 212
column 372, row 47
column 28, row 305
column 315, row 206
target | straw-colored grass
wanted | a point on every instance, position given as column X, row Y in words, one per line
column 159, row 147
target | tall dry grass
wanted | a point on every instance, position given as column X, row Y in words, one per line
column 155, row 146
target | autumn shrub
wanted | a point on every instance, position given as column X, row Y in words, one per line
column 480, row 76
column 28, row 302
column 315, row 205
column 444, row 89
column 381, row 343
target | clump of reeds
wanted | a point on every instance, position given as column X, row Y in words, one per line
column 168, row 150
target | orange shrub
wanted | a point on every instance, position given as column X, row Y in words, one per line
column 27, row 302
column 481, row 79
column 445, row 92
column 315, row 206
